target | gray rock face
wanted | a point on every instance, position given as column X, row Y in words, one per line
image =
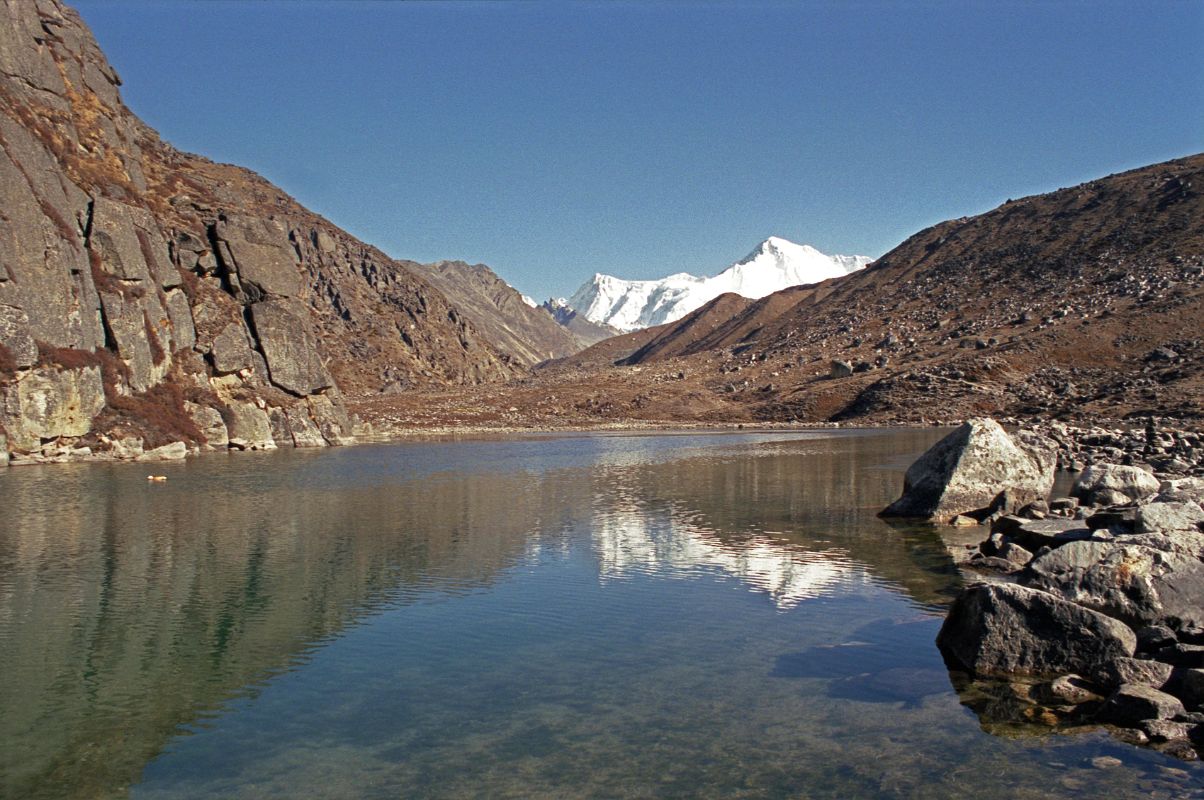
column 259, row 257
column 48, row 403
column 1190, row 687
column 183, row 331
column 176, row 451
column 230, row 351
column 1066, row 564
column 1012, row 630
column 1139, row 671
column 291, row 352
column 305, row 432
column 249, row 427
column 1138, row 584
column 1173, row 516
column 331, row 419
column 1165, row 730
column 282, row 434
column 44, row 271
column 1098, row 480
column 3, row 450
column 141, row 332
column 14, row 334
column 1014, row 553
column 969, row 470
column 1133, row 703
column 1182, row 490
column 211, row 424
column 131, row 245
column 1037, row 533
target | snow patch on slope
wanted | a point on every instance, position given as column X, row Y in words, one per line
column 774, row 265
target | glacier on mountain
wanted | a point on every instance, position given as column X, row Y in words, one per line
column 774, row 265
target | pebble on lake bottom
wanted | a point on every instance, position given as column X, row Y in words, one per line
column 1105, row 762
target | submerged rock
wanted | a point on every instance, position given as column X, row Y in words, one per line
column 1012, row 630
column 977, row 468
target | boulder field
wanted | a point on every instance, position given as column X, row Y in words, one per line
column 1089, row 608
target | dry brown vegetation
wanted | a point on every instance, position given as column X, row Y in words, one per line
column 158, row 356
column 8, row 364
column 157, row 415
column 67, row 357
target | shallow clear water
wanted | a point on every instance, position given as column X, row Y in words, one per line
column 716, row 615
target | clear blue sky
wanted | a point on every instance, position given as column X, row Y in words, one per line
column 552, row 141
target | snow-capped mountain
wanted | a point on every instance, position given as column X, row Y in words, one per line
column 774, row 265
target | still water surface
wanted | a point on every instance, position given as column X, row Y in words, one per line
column 715, row 615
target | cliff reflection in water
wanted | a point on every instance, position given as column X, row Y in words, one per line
column 128, row 609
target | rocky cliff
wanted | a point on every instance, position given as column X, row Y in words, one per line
column 149, row 297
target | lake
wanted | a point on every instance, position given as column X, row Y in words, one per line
column 588, row 615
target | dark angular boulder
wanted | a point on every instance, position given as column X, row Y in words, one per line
column 1141, row 671
column 1132, row 703
column 1012, row 630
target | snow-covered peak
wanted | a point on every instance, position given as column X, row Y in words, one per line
column 530, row 301
column 773, row 265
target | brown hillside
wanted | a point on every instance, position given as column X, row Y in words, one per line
column 1084, row 302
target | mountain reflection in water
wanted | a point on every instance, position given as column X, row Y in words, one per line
column 585, row 615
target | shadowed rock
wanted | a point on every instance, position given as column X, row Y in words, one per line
column 1140, row 671
column 1011, row 630
column 1132, row 703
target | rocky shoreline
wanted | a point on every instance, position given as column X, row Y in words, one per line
column 1089, row 608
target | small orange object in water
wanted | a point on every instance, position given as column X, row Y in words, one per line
column 156, row 478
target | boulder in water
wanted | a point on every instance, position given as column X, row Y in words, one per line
column 971, row 469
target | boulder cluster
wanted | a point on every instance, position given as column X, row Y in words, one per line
column 1161, row 449
column 1090, row 606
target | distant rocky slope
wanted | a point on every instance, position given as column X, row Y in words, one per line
column 1086, row 302
column 149, row 297
column 584, row 329
column 495, row 308
column 773, row 265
